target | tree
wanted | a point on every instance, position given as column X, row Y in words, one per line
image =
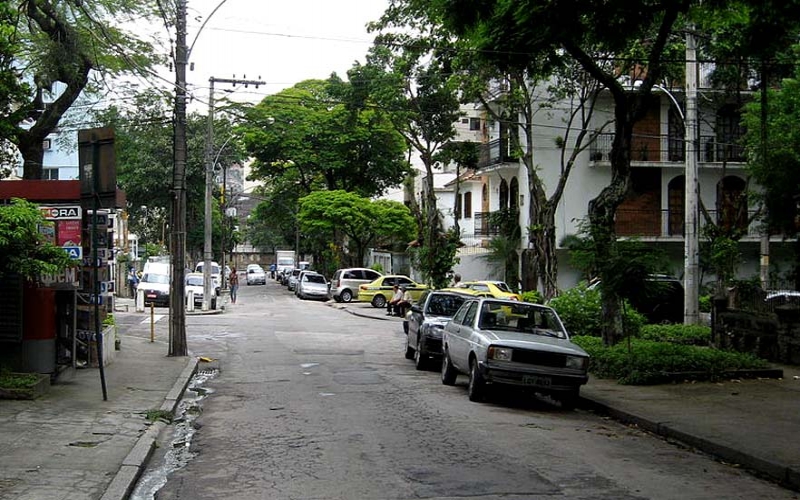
column 779, row 174
column 408, row 71
column 144, row 167
column 365, row 223
column 26, row 251
column 67, row 48
column 307, row 135
column 13, row 90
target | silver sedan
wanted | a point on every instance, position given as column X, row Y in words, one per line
column 498, row 341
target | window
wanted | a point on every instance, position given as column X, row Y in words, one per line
column 371, row 275
column 474, row 123
column 459, row 201
column 465, row 120
column 47, row 144
column 49, row 174
column 467, row 205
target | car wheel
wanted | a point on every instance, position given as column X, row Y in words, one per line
column 477, row 386
column 420, row 358
column 409, row 351
column 379, row 301
column 569, row 399
column 346, row 296
column 449, row 372
column 337, row 299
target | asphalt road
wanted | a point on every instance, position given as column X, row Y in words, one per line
column 314, row 403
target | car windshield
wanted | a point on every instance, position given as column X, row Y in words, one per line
column 194, row 281
column 155, row 278
column 285, row 262
column 522, row 317
column 314, row 278
column 502, row 286
column 443, row 305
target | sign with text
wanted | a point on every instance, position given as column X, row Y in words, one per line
column 65, row 212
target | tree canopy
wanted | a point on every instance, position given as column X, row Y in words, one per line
column 25, row 249
column 63, row 49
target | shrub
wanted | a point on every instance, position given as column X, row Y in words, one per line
column 649, row 362
column 532, row 296
column 705, row 303
column 677, row 334
column 581, row 311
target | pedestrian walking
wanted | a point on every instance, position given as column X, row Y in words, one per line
column 233, row 281
column 133, row 281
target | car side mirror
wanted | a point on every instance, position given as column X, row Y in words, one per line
column 415, row 308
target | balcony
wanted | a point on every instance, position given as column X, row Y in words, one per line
column 494, row 153
column 669, row 224
column 711, row 150
column 493, row 223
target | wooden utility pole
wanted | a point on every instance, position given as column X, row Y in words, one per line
column 177, row 325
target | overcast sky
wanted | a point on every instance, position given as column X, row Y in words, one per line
column 279, row 42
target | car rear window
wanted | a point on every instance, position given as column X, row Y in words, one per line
column 314, row 278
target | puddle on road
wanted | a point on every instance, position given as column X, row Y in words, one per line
column 177, row 454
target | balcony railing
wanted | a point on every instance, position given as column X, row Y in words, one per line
column 494, row 152
column 711, row 150
column 670, row 223
column 492, row 223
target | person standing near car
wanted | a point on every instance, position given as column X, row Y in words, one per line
column 397, row 296
column 233, row 281
column 133, row 281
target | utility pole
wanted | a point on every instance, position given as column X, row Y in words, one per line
column 177, row 325
column 208, row 289
column 691, row 313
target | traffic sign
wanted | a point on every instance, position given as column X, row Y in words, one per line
column 74, row 252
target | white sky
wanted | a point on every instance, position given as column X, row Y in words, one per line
column 278, row 42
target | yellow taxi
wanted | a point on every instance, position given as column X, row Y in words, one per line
column 496, row 289
column 380, row 291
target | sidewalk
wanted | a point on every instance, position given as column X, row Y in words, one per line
column 754, row 424
column 70, row 444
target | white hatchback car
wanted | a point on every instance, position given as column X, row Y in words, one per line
column 256, row 275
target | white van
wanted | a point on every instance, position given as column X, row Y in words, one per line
column 155, row 283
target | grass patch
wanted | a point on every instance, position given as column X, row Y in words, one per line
column 153, row 415
column 10, row 380
column 677, row 334
column 651, row 362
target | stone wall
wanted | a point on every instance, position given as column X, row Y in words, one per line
column 774, row 336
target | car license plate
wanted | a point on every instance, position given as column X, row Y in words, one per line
column 151, row 295
column 537, row 380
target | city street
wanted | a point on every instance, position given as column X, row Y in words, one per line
column 312, row 402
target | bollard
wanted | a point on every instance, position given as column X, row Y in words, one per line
column 139, row 300
column 152, row 322
column 190, row 301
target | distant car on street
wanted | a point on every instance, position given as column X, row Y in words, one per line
column 194, row 283
column 256, row 275
column 379, row 292
column 345, row 282
column 498, row 341
column 425, row 323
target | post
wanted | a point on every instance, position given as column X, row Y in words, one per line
column 208, row 287
column 152, row 322
column 98, row 332
column 691, row 314
column 177, row 325
column 224, row 206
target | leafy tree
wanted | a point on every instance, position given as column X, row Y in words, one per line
column 13, row 90
column 779, row 173
column 409, row 72
column 143, row 140
column 363, row 222
column 307, row 135
column 26, row 251
column 66, row 48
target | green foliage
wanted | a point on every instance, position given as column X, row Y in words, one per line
column 109, row 320
column 320, row 134
column 580, row 309
column 377, row 267
column 436, row 260
column 705, row 303
column 9, row 380
column 164, row 415
column 532, row 296
column 366, row 223
column 25, row 250
column 677, row 334
column 648, row 362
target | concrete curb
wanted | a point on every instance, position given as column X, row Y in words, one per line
column 134, row 463
column 782, row 473
column 356, row 312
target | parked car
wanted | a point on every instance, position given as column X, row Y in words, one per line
column 379, row 292
column 194, row 283
column 155, row 283
column 216, row 274
column 425, row 322
column 291, row 279
column 312, row 286
column 256, row 275
column 498, row 341
column 299, row 278
column 497, row 289
column 345, row 282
